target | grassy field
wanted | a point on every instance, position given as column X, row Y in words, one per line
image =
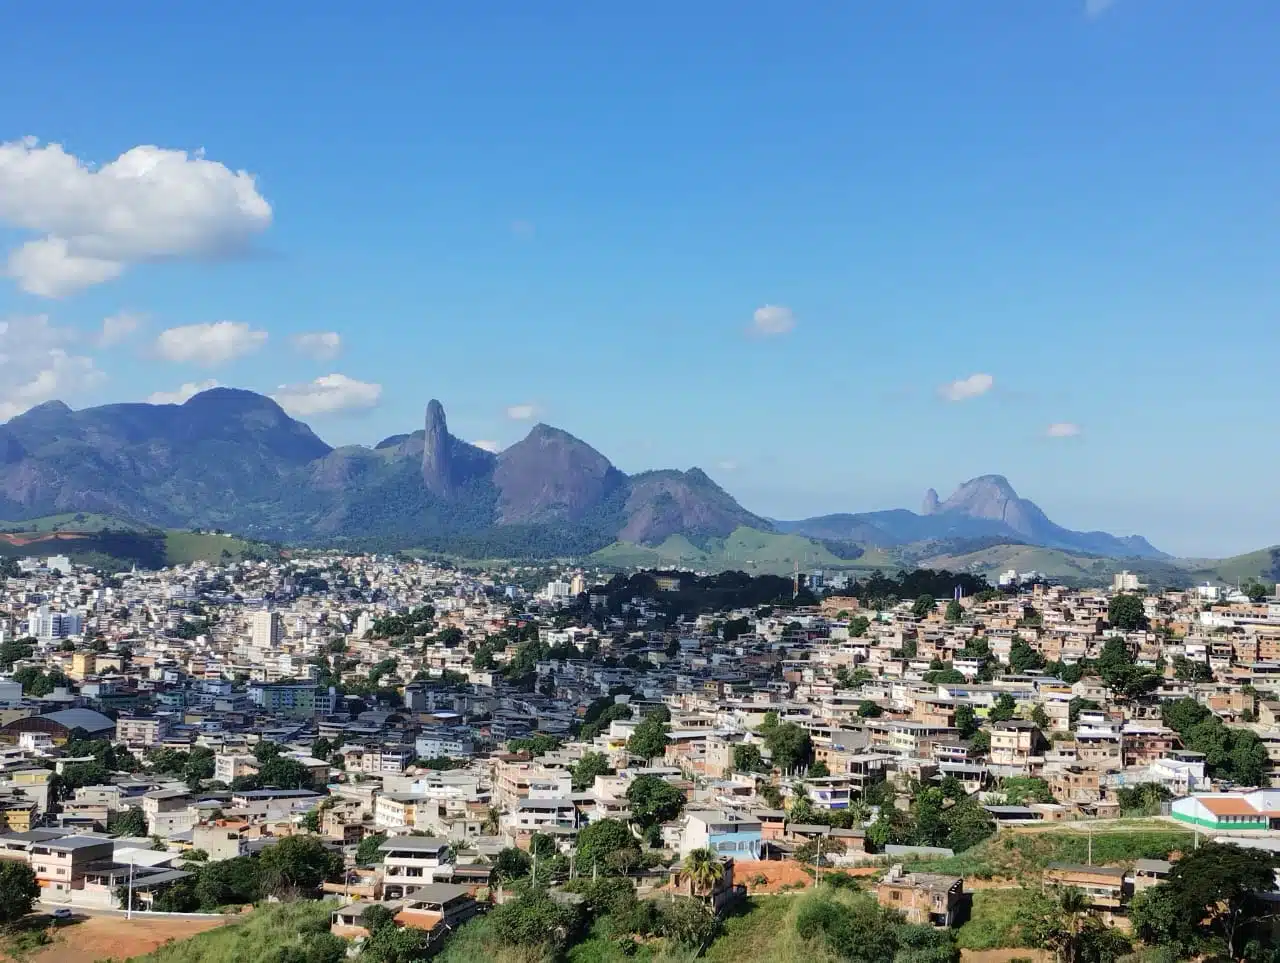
column 72, row 522
column 113, row 543
column 183, row 548
column 256, row 937
column 1014, row 855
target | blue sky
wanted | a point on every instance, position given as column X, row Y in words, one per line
column 578, row 211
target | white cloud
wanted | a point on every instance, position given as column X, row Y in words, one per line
column 727, row 465
column 966, row 388
column 327, row 395
column 211, row 343
column 491, row 446
column 48, row 268
column 182, row 393
column 1062, row 429
column 148, row 204
column 319, row 345
column 525, row 412
column 1096, row 8
column 36, row 365
column 118, row 327
column 773, row 319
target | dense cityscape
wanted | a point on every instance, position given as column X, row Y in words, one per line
column 566, row 753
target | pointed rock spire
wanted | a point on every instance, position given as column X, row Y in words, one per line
column 930, row 503
column 437, row 467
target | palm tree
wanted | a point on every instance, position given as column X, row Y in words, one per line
column 703, row 869
column 492, row 821
column 1073, row 905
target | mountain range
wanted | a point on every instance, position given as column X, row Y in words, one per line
column 235, row 460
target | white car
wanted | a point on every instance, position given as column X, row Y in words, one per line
column 62, row 913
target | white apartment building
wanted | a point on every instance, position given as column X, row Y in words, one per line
column 412, row 861
column 266, row 629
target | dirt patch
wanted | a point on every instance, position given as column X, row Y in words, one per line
column 32, row 538
column 114, row 937
column 776, row 876
column 1004, row 956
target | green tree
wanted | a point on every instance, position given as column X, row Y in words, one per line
column 535, row 920
column 1210, row 893
column 1004, row 709
column 649, row 740
column 1078, row 705
column 869, row 710
column 1256, row 591
column 923, row 606
column 18, row 891
column 1040, row 717
column 297, row 864
column 818, row 770
column 584, row 772
column 607, row 846
column 788, row 746
column 686, row 921
column 511, row 864
column 1183, row 714
column 1126, row 613
column 858, row 626
column 1022, row 657
column 281, row 772
column 967, row 824
column 955, row 611
column 966, row 720
column 129, row 822
column 654, row 800
column 367, row 852
column 746, row 757
column 1023, row 789
column 703, row 868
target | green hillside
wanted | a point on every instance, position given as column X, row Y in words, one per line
column 1264, row 564
column 746, row 549
column 182, row 548
column 114, row 544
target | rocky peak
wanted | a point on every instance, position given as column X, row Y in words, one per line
column 931, row 503
column 437, row 462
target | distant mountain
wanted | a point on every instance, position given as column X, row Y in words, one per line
column 234, row 459
column 986, row 506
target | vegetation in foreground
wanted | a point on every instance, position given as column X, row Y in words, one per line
column 274, row 933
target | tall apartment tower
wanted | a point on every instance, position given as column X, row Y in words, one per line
column 266, row 629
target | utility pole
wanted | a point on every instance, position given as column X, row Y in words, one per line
column 128, row 913
column 1090, row 859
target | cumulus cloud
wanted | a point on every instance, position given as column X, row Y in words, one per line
column 148, row 204
column 772, row 319
column 118, row 327
column 523, row 412
column 966, row 388
column 491, row 446
column 319, row 345
column 1062, row 429
column 212, row 343
column 182, row 393
column 38, row 364
column 326, row 395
